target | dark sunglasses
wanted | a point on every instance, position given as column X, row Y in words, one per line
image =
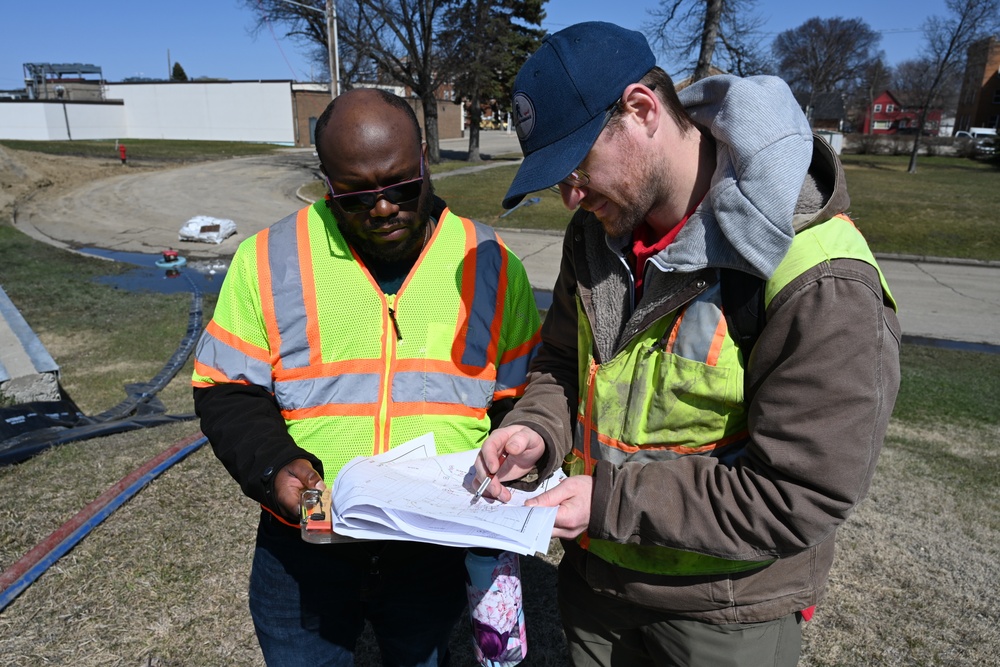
column 400, row 193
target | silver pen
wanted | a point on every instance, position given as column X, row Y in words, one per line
column 489, row 478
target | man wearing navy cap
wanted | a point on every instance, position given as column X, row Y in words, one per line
column 718, row 366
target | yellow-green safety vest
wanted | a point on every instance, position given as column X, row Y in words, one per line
column 355, row 371
column 677, row 390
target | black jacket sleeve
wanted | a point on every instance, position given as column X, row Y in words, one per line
column 248, row 434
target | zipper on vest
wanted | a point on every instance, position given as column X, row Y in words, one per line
column 395, row 324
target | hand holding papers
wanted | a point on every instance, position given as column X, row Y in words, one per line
column 409, row 493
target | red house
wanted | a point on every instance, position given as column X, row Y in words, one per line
column 887, row 116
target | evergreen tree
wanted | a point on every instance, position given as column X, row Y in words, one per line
column 178, row 73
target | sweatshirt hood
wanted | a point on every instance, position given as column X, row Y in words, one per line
column 763, row 150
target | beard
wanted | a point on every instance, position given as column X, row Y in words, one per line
column 639, row 192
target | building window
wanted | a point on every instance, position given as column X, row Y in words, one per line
column 996, row 96
column 878, row 108
column 889, row 108
column 881, row 125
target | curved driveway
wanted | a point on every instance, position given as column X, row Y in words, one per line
column 938, row 299
column 143, row 212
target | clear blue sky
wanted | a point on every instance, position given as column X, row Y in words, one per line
column 212, row 37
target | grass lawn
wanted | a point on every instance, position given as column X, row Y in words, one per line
column 949, row 208
column 145, row 149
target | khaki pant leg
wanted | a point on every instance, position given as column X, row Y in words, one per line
column 606, row 632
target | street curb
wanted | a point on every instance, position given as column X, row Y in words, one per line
column 929, row 259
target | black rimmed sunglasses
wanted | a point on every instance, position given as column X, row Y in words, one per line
column 400, row 193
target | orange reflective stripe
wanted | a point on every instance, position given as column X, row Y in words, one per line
column 441, row 366
column 521, row 350
column 252, row 351
column 308, row 278
column 421, row 408
column 588, row 427
column 669, row 347
column 213, row 374
column 468, row 290
column 717, row 339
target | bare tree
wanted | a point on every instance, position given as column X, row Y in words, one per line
column 875, row 77
column 825, row 55
column 490, row 47
column 679, row 28
column 947, row 39
column 397, row 37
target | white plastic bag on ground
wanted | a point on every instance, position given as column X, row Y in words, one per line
column 207, row 229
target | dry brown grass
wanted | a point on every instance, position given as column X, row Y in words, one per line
column 163, row 580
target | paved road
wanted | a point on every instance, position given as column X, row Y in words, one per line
column 143, row 213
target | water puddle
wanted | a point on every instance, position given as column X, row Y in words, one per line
column 206, row 275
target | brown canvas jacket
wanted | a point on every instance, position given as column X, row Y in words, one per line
column 821, row 382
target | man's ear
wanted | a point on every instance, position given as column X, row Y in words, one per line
column 644, row 105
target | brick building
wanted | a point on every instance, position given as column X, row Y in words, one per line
column 979, row 101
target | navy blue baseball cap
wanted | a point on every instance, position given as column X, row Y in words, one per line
column 562, row 95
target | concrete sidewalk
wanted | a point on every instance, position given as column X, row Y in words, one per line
column 938, row 299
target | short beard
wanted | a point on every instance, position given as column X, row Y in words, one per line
column 639, row 198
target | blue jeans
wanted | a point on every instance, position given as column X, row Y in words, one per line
column 309, row 602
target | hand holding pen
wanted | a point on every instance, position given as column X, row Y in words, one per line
column 488, row 479
column 522, row 445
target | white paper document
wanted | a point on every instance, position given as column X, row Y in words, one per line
column 409, row 493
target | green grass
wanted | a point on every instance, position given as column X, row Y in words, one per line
column 145, row 149
column 478, row 195
column 939, row 385
column 949, row 208
column 102, row 338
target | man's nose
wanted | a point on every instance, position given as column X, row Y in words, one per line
column 383, row 208
column 572, row 196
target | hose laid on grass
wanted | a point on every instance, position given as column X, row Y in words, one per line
column 141, row 409
column 25, row 571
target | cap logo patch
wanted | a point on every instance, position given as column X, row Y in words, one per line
column 524, row 116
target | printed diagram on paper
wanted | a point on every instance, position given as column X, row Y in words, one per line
column 406, row 494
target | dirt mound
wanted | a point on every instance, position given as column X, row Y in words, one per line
column 26, row 174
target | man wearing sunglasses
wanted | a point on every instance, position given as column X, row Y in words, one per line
column 363, row 321
column 717, row 368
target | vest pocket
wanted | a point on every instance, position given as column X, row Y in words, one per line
column 676, row 401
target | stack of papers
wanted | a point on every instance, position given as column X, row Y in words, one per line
column 410, row 493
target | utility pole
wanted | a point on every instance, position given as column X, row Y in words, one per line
column 331, row 46
column 331, row 40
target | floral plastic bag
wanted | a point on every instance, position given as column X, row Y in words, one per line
column 493, row 586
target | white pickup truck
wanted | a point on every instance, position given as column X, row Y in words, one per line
column 984, row 139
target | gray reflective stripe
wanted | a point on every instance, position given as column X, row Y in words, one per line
column 514, row 373
column 232, row 363
column 484, row 302
column 701, row 320
column 419, row 386
column 356, row 388
column 286, row 290
column 600, row 452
